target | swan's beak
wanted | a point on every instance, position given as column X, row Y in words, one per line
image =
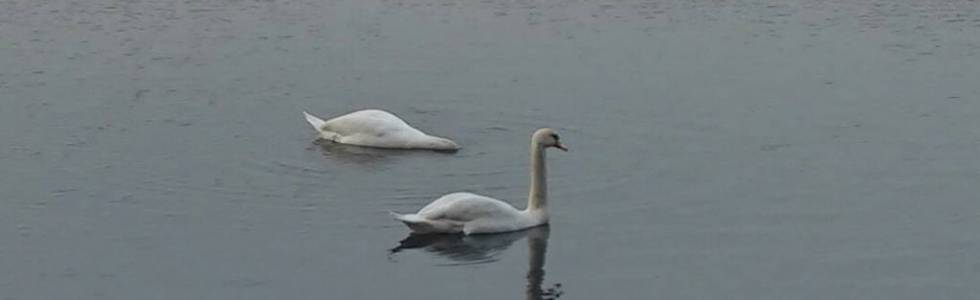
column 560, row 146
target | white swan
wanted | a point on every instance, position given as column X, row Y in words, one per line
column 377, row 128
column 470, row 213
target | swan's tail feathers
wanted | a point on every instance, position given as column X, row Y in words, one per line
column 316, row 122
column 407, row 218
column 415, row 223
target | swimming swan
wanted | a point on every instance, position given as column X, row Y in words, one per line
column 471, row 213
column 377, row 128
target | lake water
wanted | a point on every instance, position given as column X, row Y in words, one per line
column 719, row 149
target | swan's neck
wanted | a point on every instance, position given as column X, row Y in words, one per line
column 537, row 199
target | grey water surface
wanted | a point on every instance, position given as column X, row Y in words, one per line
column 719, row 149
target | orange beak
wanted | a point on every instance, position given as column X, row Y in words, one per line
column 560, row 146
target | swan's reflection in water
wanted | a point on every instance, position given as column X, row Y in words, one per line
column 462, row 249
column 352, row 154
column 478, row 249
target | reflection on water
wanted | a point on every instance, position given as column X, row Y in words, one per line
column 356, row 155
column 478, row 249
column 462, row 249
column 537, row 244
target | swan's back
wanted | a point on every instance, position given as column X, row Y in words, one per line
column 465, row 207
column 468, row 213
column 371, row 122
column 377, row 128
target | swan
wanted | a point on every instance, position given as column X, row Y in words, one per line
column 469, row 213
column 377, row 128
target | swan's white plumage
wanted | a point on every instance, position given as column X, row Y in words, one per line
column 470, row 213
column 377, row 128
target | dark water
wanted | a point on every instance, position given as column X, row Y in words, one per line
column 720, row 149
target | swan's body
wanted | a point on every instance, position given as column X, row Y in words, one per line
column 377, row 128
column 472, row 214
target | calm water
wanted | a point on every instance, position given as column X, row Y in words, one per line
column 720, row 149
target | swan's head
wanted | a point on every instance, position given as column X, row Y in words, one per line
column 441, row 144
column 546, row 137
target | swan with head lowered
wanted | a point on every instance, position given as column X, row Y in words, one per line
column 377, row 128
column 469, row 213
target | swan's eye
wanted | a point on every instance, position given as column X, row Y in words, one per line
column 554, row 135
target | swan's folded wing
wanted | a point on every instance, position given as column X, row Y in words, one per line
column 367, row 122
column 465, row 207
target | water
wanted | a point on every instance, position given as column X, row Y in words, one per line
column 720, row 149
